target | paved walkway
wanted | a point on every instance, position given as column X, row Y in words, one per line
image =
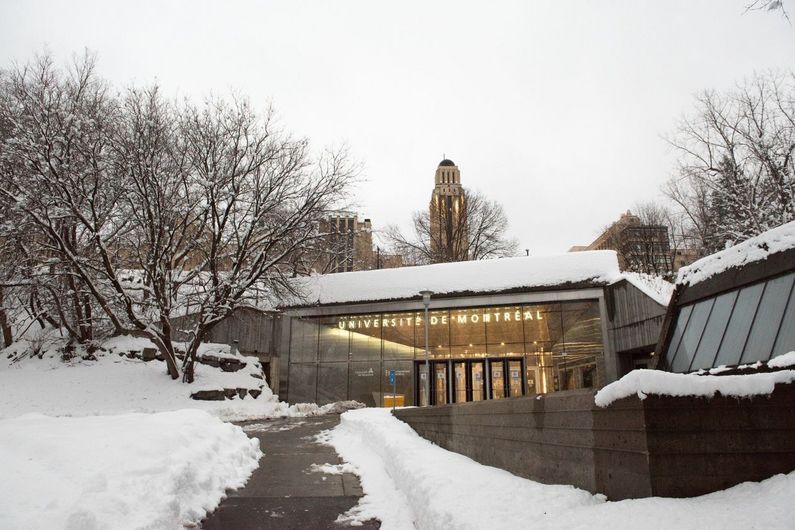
column 283, row 492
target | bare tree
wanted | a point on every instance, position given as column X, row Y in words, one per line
column 768, row 5
column 735, row 175
column 477, row 232
column 148, row 209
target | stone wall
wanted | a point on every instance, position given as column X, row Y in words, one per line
column 660, row 446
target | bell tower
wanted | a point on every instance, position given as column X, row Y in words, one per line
column 448, row 219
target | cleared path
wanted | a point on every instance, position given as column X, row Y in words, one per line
column 284, row 492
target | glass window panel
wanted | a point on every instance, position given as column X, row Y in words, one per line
column 768, row 319
column 692, row 336
column 714, row 330
column 334, row 338
column 785, row 342
column 397, row 330
column 404, row 383
column 505, row 348
column 504, row 324
column 739, row 324
column 466, row 351
column 365, row 382
column 468, row 326
column 582, row 344
column 303, row 383
column 542, row 370
column 332, row 382
column 543, row 328
column 582, row 328
column 438, row 334
column 365, row 337
column 681, row 323
column 303, row 340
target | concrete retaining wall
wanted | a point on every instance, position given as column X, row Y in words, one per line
column 660, row 446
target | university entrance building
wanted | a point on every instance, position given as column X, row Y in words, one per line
column 496, row 329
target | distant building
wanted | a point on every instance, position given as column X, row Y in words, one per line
column 347, row 245
column 447, row 209
column 640, row 247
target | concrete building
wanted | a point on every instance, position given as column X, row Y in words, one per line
column 496, row 329
column 347, row 246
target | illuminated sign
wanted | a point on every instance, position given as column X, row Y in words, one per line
column 410, row 321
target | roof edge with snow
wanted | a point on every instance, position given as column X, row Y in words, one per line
column 576, row 270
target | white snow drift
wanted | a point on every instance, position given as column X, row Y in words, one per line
column 127, row 471
column 411, row 483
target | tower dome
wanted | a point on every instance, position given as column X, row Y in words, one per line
column 446, row 163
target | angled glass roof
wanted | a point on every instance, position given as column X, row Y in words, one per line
column 744, row 325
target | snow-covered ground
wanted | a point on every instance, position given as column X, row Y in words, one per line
column 114, row 384
column 115, row 443
column 159, row 470
column 409, row 482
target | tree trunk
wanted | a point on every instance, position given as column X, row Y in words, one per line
column 4, row 324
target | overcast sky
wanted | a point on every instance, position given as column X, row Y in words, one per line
column 554, row 109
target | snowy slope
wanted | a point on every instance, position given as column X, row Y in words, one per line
column 600, row 267
column 754, row 249
column 410, row 483
column 128, row 471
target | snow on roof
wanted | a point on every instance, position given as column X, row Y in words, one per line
column 654, row 287
column 495, row 275
column 749, row 251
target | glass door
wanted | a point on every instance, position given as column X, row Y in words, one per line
column 497, row 379
column 422, row 386
column 460, row 382
column 478, row 390
column 439, row 391
column 515, row 378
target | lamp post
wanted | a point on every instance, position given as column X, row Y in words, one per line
column 426, row 301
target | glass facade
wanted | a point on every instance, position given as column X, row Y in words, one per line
column 749, row 324
column 475, row 353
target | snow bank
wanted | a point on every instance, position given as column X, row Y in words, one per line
column 644, row 382
column 754, row 249
column 129, row 471
column 463, row 277
column 654, row 287
column 113, row 385
column 409, row 482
